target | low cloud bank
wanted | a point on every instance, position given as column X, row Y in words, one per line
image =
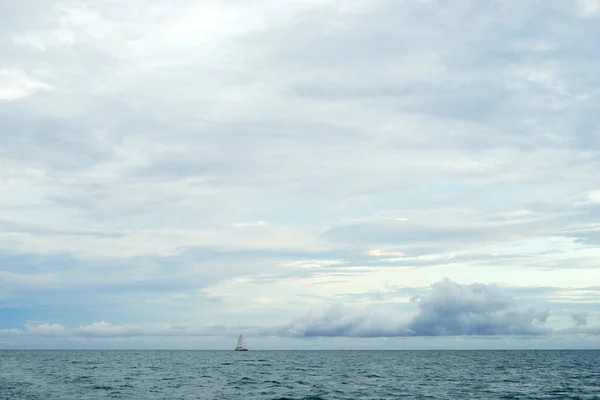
column 450, row 309
column 104, row 329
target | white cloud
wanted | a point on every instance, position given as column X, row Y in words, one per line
column 594, row 197
column 383, row 253
column 45, row 329
column 15, row 85
column 589, row 7
column 202, row 158
column 255, row 224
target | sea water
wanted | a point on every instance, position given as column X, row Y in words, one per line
column 147, row 375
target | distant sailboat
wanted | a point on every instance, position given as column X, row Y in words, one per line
column 240, row 344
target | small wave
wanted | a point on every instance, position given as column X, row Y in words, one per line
column 102, row 387
column 245, row 380
column 126, row 386
column 82, row 379
column 299, row 398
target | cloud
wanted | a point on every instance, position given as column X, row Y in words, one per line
column 451, row 309
column 579, row 319
column 105, row 330
column 589, row 7
column 380, row 253
column 27, row 280
column 102, row 329
column 476, row 309
column 45, row 329
column 15, row 84
column 449, row 227
column 190, row 160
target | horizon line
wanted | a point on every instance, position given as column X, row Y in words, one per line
column 308, row 350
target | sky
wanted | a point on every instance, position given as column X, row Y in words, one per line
column 312, row 174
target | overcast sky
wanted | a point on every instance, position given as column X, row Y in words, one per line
column 310, row 173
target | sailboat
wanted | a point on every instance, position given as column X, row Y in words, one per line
column 240, row 344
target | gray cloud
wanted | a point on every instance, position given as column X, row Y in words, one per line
column 451, row 309
column 579, row 319
column 477, row 309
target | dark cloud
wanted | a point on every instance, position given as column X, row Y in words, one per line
column 476, row 309
column 579, row 319
column 451, row 309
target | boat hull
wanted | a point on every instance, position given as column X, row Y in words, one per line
column 241, row 349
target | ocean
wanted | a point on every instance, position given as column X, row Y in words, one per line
column 314, row 375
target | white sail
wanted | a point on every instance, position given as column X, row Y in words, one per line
column 240, row 344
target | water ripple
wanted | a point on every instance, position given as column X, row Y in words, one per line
column 320, row 375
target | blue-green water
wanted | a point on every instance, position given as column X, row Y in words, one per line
column 313, row 375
